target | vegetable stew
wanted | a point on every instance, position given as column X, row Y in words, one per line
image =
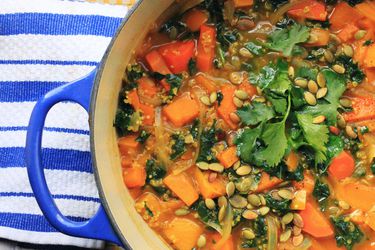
column 249, row 124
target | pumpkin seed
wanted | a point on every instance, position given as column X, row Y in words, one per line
column 286, row 219
column 328, row 55
column 248, row 234
column 259, row 99
column 189, row 139
column 213, row 97
column 312, row 86
column 249, row 206
column 350, row 132
column 334, row 38
column 319, row 119
column 202, row 165
column 321, row 80
column 210, row 204
column 222, row 201
column 254, row 200
column 243, row 170
column 217, row 167
column 297, row 220
column 297, row 230
column 236, row 165
column 341, row 121
column 344, row 205
column 241, row 94
column 321, row 93
column 201, row 241
column 249, row 215
column 237, row 102
column 230, row 188
column 300, row 82
column 333, row 210
column 236, row 77
column 285, row 194
column 181, row 212
column 259, row 90
column 360, row 34
column 291, row 72
column 238, row 201
column 245, row 53
column 221, row 214
column 234, row 117
column 264, row 210
column 338, row 69
column 262, row 200
column 285, row 235
column 244, row 185
column 348, row 50
column 297, row 240
column 309, row 98
column 345, row 102
column 205, row 100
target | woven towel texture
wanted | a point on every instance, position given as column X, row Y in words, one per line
column 44, row 44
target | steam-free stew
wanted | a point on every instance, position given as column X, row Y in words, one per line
column 249, row 125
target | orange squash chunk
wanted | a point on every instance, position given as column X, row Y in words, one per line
column 209, row 189
column 183, row 233
column 181, row 111
column 182, row 185
column 228, row 157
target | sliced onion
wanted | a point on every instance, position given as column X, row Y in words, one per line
column 271, row 233
column 161, row 142
column 275, row 17
column 226, row 226
column 154, row 101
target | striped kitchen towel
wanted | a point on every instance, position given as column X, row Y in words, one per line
column 44, row 44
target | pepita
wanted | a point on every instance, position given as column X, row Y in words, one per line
column 285, row 194
column 245, row 53
column 181, row 212
column 297, row 230
column 312, row 86
column 201, row 241
column 321, row 80
column 360, row 34
column 344, row 205
column 243, row 170
column 286, row 219
column 345, row 102
column 248, row 234
column 237, row 102
column 285, row 235
column 221, row 214
column 205, row 100
column 262, row 200
column 254, row 200
column 309, row 98
column 297, row 220
column 348, row 50
column 341, row 121
column 242, row 95
column 236, row 165
column 333, row 210
column 300, row 82
column 230, row 188
column 338, row 69
column 236, row 77
column 202, row 165
column 213, row 97
column 217, row 167
column 210, row 204
column 328, row 55
column 238, row 201
column 291, row 72
column 234, row 117
column 222, row 201
column 244, row 185
column 259, row 99
column 319, row 119
column 249, row 215
column 297, row 240
column 321, row 93
column 264, row 210
column 350, row 132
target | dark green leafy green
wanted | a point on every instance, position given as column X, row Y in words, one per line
column 142, row 137
column 278, row 206
column 335, row 145
column 347, row 234
column 194, row 130
column 259, row 227
column 372, row 168
column 192, row 67
column 208, row 216
column 281, row 171
column 284, row 40
column 219, row 98
column 207, row 141
column 178, row 146
column 123, row 118
column 148, row 210
column 175, row 82
column 321, row 192
column 255, row 113
column 352, row 70
column 368, row 42
column 134, row 72
column 155, row 173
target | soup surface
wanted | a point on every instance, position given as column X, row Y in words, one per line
column 249, row 125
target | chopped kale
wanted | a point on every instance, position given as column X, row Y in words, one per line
column 142, row 137
column 175, row 82
column 207, row 141
column 281, row 171
column 364, row 130
column 208, row 216
column 226, row 36
column 134, row 72
column 123, row 118
column 192, row 66
column 155, row 173
column 215, row 9
column 178, row 146
column 278, row 206
column 260, row 229
column 321, row 192
column 372, row 167
column 194, row 130
column 219, row 97
column 277, row 3
column 368, row 42
column 346, row 232
column 353, row 72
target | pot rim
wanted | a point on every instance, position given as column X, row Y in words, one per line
column 93, row 99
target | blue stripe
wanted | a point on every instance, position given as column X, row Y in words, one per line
column 55, row 196
column 55, row 159
column 53, row 129
column 25, row 91
column 57, row 24
column 30, row 222
column 50, row 62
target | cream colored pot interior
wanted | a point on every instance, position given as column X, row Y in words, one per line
column 115, row 196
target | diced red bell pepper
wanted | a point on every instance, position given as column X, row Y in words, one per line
column 309, row 9
column 206, row 48
column 177, row 55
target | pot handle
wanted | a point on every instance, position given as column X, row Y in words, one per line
column 98, row 227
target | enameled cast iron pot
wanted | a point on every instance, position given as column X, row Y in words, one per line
column 116, row 219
